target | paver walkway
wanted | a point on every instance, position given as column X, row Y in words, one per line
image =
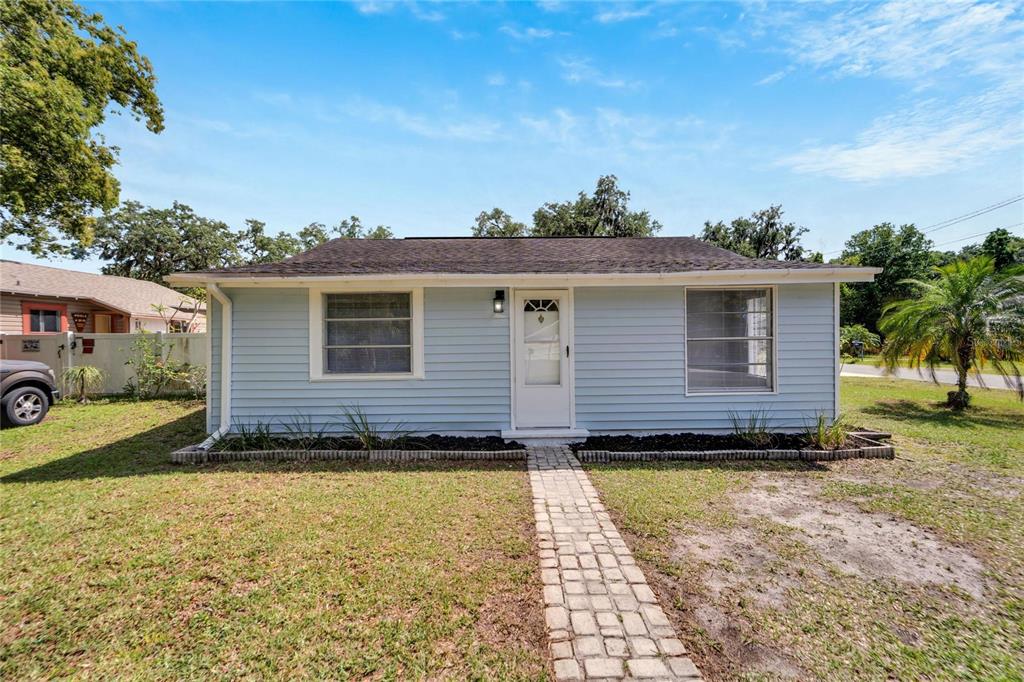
column 603, row 619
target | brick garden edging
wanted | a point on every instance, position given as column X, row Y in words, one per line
column 192, row 455
column 869, row 450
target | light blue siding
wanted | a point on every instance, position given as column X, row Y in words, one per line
column 629, row 368
column 213, row 328
column 466, row 353
column 630, row 374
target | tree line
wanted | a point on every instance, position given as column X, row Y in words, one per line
column 149, row 243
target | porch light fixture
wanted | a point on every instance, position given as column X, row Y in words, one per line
column 499, row 300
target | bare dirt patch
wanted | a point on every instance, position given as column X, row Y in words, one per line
column 869, row 545
column 787, row 534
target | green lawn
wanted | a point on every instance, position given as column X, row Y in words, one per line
column 117, row 564
column 910, row 568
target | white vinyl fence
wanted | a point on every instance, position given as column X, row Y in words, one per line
column 108, row 352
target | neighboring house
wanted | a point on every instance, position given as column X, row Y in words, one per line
column 39, row 299
column 524, row 337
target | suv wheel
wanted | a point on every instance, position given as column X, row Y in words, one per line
column 25, row 406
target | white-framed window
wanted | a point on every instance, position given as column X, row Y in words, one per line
column 730, row 340
column 366, row 334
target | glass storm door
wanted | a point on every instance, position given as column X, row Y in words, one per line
column 542, row 362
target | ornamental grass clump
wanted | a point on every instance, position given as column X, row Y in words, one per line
column 372, row 435
column 753, row 427
column 828, row 436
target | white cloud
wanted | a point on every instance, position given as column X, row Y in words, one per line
column 530, row 33
column 559, row 127
column 665, row 30
column 241, row 130
column 927, row 139
column 374, row 7
column 905, row 39
column 444, row 122
column 961, row 63
column 613, row 16
column 552, row 5
column 476, row 129
column 775, row 77
column 417, row 10
column 581, row 70
column 613, row 133
column 422, row 14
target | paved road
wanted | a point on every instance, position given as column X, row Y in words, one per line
column 945, row 376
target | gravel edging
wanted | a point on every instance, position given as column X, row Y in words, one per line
column 193, row 455
column 870, row 450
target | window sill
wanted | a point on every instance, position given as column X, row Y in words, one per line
column 701, row 394
column 407, row 376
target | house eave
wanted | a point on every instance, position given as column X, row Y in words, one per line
column 763, row 276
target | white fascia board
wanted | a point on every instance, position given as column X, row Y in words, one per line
column 783, row 276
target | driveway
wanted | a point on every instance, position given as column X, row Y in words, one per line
column 945, row 376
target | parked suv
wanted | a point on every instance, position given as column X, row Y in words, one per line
column 27, row 389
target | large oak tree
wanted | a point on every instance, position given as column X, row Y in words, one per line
column 605, row 213
column 762, row 235
column 62, row 70
column 903, row 253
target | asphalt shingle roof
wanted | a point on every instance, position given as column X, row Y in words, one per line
column 528, row 255
column 133, row 296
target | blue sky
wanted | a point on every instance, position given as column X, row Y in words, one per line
column 420, row 115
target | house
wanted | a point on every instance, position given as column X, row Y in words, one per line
column 532, row 337
column 39, row 299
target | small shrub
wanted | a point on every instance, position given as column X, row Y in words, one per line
column 753, row 427
column 155, row 373
column 83, row 379
column 302, row 434
column 256, row 436
column 152, row 372
column 194, row 378
column 826, row 436
column 855, row 335
column 372, row 436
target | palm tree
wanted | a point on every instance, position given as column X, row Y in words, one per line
column 970, row 314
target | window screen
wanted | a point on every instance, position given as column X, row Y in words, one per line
column 368, row 333
column 44, row 320
column 729, row 340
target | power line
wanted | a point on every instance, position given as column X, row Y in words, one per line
column 935, row 227
column 980, row 234
column 941, row 225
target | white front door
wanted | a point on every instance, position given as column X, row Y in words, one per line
column 541, row 355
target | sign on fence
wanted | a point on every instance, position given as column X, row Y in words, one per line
column 108, row 352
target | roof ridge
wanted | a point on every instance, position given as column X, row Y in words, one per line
column 77, row 272
column 127, row 294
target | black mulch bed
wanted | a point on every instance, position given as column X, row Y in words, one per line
column 432, row 442
column 667, row 442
